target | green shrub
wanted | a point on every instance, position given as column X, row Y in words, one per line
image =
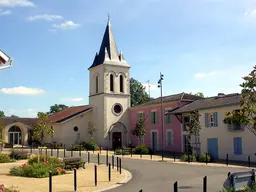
column 9, row 189
column 50, row 160
column 18, row 154
column 125, row 151
column 91, row 145
column 202, row 158
column 39, row 170
column 185, row 157
column 5, row 158
column 141, row 149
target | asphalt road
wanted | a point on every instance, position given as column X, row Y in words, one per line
column 154, row 176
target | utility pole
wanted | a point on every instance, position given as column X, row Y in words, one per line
column 148, row 88
column 160, row 85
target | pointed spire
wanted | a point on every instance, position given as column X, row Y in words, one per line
column 109, row 20
column 106, row 58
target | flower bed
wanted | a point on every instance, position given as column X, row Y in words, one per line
column 39, row 167
column 5, row 189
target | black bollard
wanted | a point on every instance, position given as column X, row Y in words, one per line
column 162, row 155
column 188, row 158
column 253, row 176
column 227, row 160
column 88, row 157
column 120, row 166
column 113, row 161
column 205, row 184
column 249, row 161
column 106, row 159
column 206, row 158
column 100, row 150
column 174, row 156
column 175, row 187
column 71, row 151
column 75, row 180
column 98, row 158
column 95, row 175
column 117, row 163
column 64, row 152
column 109, row 172
column 80, row 149
column 58, row 153
column 50, row 181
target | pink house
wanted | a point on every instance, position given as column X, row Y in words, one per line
column 172, row 134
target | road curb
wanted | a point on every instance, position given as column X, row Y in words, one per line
column 127, row 178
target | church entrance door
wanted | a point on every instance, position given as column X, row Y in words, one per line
column 117, row 140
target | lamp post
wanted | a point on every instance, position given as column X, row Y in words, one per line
column 5, row 60
column 160, row 85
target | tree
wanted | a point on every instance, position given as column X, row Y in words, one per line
column 138, row 93
column 2, row 126
column 42, row 127
column 2, row 114
column 140, row 129
column 247, row 115
column 91, row 129
column 193, row 127
column 200, row 94
column 56, row 108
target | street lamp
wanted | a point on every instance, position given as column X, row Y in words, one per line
column 5, row 60
column 160, row 85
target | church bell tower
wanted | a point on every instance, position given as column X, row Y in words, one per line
column 110, row 93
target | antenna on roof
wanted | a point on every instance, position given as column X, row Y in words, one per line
column 148, row 88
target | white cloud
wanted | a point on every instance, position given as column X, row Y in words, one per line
column 150, row 87
column 66, row 25
column 22, row 91
column 76, row 99
column 6, row 12
column 16, row 3
column 22, row 112
column 203, row 75
column 45, row 17
column 250, row 12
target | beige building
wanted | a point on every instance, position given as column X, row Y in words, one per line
column 109, row 100
column 216, row 137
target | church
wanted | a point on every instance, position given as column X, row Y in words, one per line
column 107, row 112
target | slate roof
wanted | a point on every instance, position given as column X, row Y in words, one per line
column 210, row 102
column 180, row 96
column 108, row 50
column 69, row 113
column 26, row 121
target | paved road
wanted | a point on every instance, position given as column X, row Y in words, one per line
column 154, row 176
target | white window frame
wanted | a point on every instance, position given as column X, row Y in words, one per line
column 166, row 138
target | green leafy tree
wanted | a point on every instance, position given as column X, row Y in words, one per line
column 200, row 94
column 247, row 115
column 56, row 108
column 42, row 127
column 2, row 114
column 2, row 126
column 91, row 129
column 138, row 93
column 140, row 129
column 193, row 127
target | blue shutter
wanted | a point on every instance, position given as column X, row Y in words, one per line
column 206, row 119
column 150, row 117
column 215, row 116
column 237, row 145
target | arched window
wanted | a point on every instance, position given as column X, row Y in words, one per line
column 111, row 82
column 121, row 83
column 15, row 135
column 97, row 84
column 14, row 129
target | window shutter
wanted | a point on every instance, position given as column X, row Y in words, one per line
column 151, row 117
column 156, row 117
column 237, row 145
column 206, row 119
column 215, row 116
column 240, row 145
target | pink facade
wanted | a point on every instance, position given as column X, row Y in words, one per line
column 155, row 126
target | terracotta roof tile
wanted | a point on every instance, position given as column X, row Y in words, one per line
column 68, row 113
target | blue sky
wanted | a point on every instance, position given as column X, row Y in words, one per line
column 199, row 45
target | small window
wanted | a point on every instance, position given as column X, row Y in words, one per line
column 169, row 138
column 121, row 83
column 211, row 120
column 153, row 117
column 97, row 84
column 111, row 82
column 168, row 117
